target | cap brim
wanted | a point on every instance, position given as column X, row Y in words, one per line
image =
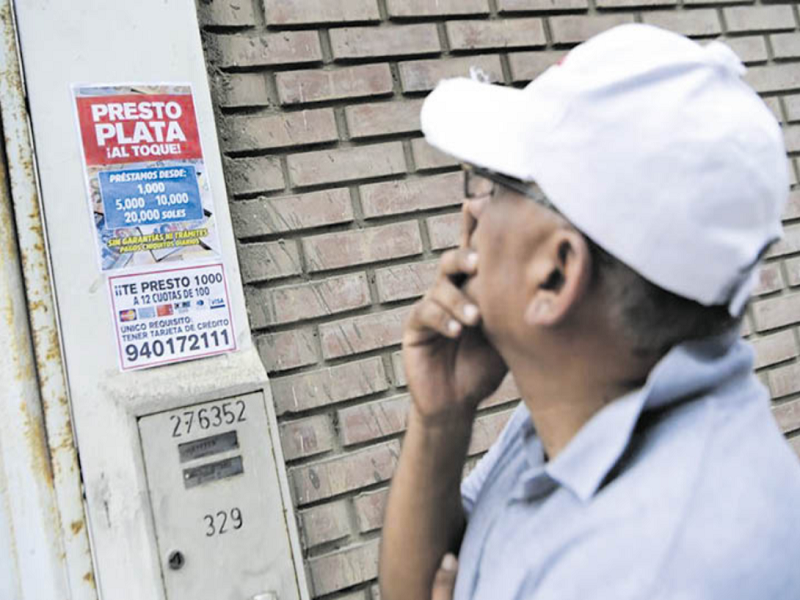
column 482, row 124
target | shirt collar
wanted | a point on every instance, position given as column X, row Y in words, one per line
column 685, row 371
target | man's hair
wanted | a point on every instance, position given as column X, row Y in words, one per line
column 651, row 318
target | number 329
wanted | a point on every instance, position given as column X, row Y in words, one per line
column 223, row 521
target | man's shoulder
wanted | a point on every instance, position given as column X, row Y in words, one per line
column 722, row 450
column 715, row 489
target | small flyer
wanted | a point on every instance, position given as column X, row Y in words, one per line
column 145, row 175
column 171, row 315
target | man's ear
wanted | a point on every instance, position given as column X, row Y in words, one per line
column 558, row 277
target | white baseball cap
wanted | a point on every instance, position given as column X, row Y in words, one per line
column 649, row 143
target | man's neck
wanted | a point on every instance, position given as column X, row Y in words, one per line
column 564, row 395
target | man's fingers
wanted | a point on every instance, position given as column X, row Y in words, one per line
column 429, row 314
column 445, row 309
column 471, row 209
column 454, row 301
column 445, row 580
column 462, row 261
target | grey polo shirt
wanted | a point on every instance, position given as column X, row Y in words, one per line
column 683, row 490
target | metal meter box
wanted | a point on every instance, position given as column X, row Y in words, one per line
column 210, row 471
column 183, row 483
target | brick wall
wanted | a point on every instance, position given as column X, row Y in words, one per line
column 341, row 209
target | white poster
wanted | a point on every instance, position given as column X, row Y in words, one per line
column 171, row 315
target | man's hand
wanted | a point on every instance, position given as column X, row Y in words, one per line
column 445, row 580
column 449, row 364
column 450, row 367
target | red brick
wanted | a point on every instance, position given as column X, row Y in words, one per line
column 794, row 444
column 526, row 66
column 328, row 386
column 774, row 78
column 288, row 350
column 383, row 118
column 400, row 40
column 227, row 13
column 634, row 3
column 268, row 216
column 337, row 250
column 397, row 367
column 746, row 327
column 346, row 164
column 267, row 49
column 792, row 137
column 773, row 103
column 269, row 260
column 470, row 464
column 370, row 508
column 693, row 2
column 750, row 49
column 507, row 392
column 444, row 230
column 315, row 85
column 789, row 244
column 358, row 595
column 786, row 45
column 784, row 380
column 324, row 523
column 423, row 75
column 362, row 334
column 344, row 473
column 427, row 157
column 412, row 195
column 485, row 430
column 506, row 33
column 344, row 568
column 306, row 437
column 792, row 104
column 793, row 271
column 253, row 175
column 278, row 131
column 319, row 298
column 759, row 18
column 304, row 12
column 700, row 22
column 237, row 90
column 426, row 8
column 775, row 348
column 540, row 5
column 776, row 312
column 792, row 210
column 403, row 282
column 259, row 307
column 769, row 279
column 373, row 420
column 787, row 415
column 573, row 29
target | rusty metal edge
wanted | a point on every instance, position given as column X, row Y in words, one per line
column 42, row 315
column 31, row 552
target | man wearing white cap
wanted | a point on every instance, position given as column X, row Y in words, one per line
column 616, row 210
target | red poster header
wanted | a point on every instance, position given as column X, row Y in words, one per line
column 133, row 128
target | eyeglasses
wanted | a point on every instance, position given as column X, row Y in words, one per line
column 479, row 182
